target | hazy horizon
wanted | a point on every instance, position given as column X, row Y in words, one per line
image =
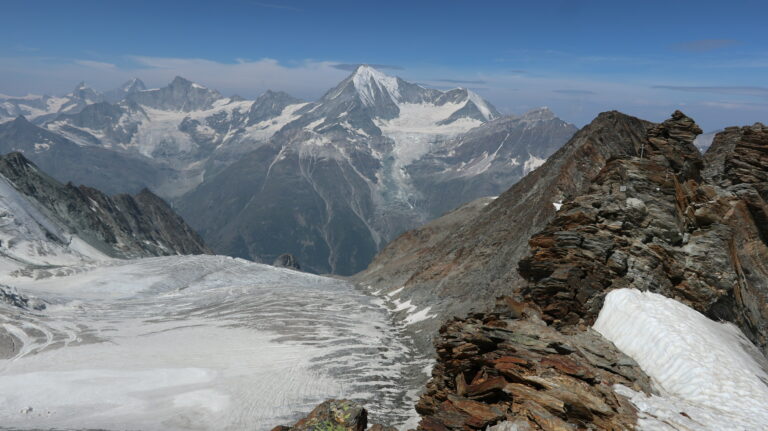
column 577, row 58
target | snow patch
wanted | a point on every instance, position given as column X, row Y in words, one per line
column 532, row 163
column 708, row 370
column 418, row 316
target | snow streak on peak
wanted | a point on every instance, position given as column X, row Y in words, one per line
column 133, row 84
column 481, row 104
column 369, row 81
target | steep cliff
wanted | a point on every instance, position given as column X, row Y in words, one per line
column 118, row 226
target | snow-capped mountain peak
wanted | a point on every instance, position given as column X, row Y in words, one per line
column 370, row 82
column 482, row 105
column 134, row 84
column 180, row 81
column 180, row 95
column 86, row 94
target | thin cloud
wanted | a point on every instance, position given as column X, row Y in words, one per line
column 575, row 92
column 462, row 81
column 731, row 90
column 736, row 105
column 704, row 45
column 25, row 48
column 276, row 6
column 351, row 67
column 95, row 64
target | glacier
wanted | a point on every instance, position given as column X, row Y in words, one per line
column 196, row 342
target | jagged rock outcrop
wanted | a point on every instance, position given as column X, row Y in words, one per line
column 335, row 415
column 656, row 224
column 287, row 260
column 508, row 365
column 118, row 226
column 11, row 296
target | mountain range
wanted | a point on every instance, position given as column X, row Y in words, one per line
column 330, row 182
column 584, row 296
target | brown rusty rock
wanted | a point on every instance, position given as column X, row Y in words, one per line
column 486, row 387
column 480, row 414
column 336, row 414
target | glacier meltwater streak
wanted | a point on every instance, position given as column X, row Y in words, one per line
column 195, row 342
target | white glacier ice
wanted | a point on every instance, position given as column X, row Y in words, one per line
column 196, row 342
column 708, row 375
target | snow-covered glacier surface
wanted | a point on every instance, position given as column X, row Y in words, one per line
column 195, row 342
column 708, row 375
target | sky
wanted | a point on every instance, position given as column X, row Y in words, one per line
column 708, row 59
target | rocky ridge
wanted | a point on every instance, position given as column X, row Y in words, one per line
column 651, row 222
column 121, row 226
column 468, row 266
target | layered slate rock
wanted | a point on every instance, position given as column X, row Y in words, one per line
column 508, row 365
column 737, row 166
column 656, row 224
column 120, row 226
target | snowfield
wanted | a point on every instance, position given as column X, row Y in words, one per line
column 709, row 376
column 195, row 342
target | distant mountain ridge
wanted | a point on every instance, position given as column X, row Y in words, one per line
column 329, row 182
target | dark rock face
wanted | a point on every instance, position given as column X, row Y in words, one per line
column 180, row 95
column 64, row 160
column 120, row 226
column 287, row 260
column 508, row 365
column 657, row 225
column 10, row 296
column 269, row 105
column 737, row 165
column 317, row 215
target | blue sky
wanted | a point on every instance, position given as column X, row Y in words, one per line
column 709, row 59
